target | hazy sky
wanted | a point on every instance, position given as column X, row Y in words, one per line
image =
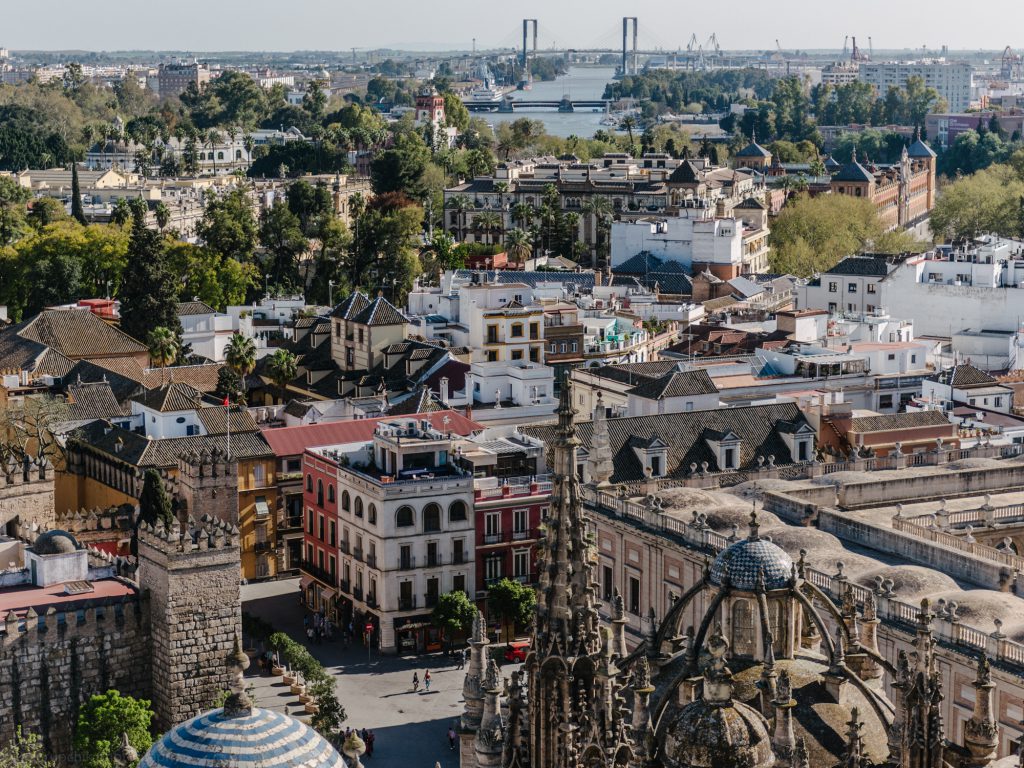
column 340, row 24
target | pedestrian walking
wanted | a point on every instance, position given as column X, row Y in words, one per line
column 368, row 741
column 426, row 680
column 451, row 738
column 415, row 681
column 309, row 633
column 462, row 657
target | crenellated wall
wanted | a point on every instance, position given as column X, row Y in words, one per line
column 50, row 664
column 26, row 494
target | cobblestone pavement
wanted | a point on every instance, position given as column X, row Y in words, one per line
column 411, row 728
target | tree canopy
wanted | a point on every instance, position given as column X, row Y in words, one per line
column 812, row 234
column 101, row 722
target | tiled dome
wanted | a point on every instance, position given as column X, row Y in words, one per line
column 743, row 561
column 706, row 735
column 262, row 737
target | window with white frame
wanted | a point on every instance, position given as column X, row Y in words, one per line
column 521, row 562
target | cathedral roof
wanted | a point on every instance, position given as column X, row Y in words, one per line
column 708, row 735
column 744, row 562
column 261, row 737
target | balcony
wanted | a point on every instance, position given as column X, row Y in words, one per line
column 406, row 603
column 290, row 524
column 344, row 547
column 494, row 538
column 357, row 553
column 320, row 574
column 406, row 563
column 371, row 601
column 346, row 587
column 459, row 558
column 490, row 581
column 433, row 560
column 526, row 533
column 263, row 546
column 429, row 600
column 371, row 559
column 357, row 593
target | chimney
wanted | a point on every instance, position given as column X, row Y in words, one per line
column 444, row 390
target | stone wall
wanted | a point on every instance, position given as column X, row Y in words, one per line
column 26, row 495
column 959, row 565
column 932, row 486
column 50, row 664
column 195, row 609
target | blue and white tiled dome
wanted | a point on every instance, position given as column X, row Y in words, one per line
column 741, row 563
column 259, row 738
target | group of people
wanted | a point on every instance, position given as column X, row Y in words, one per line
column 416, row 681
column 367, row 737
column 318, row 627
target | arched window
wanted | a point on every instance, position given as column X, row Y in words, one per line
column 359, row 506
column 220, row 155
column 432, row 517
column 238, row 154
column 405, row 517
column 742, row 628
column 319, row 493
column 457, row 512
column 345, row 501
column 371, row 514
column 330, row 493
column 309, row 483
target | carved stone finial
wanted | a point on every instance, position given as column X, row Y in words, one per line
column 238, row 704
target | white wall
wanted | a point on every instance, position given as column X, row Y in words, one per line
column 679, row 238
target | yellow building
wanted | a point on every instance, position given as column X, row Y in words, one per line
column 106, row 466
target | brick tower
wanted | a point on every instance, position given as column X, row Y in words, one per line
column 191, row 576
column 208, row 485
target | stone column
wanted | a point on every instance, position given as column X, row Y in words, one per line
column 643, row 729
column 784, row 738
column 981, row 732
column 490, row 736
column 472, row 686
column 619, row 622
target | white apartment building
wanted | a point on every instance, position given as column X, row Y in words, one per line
column 206, row 330
column 952, row 79
column 728, row 245
column 403, row 512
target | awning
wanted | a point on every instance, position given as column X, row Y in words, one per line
column 328, row 594
column 262, row 508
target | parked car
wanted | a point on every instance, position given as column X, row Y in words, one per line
column 516, row 651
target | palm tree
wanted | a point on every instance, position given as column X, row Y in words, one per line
column 213, row 138
column 162, row 214
column 460, row 205
column 599, row 213
column 163, row 347
column 523, row 214
column 629, row 123
column 487, row 223
column 283, row 367
column 249, row 142
column 240, row 355
column 518, row 245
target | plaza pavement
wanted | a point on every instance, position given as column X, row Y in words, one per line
column 411, row 728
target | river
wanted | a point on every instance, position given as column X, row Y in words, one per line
column 578, row 83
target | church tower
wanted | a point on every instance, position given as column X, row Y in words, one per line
column 577, row 715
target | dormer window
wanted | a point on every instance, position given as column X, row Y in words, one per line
column 653, row 455
column 725, row 445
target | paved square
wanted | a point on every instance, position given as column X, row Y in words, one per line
column 411, row 728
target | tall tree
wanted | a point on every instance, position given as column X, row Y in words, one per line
column 454, row 613
column 154, row 504
column 282, row 367
column 101, row 722
column 148, row 288
column 77, row 212
column 228, row 226
column 281, row 235
column 512, row 602
column 163, row 346
column 240, row 354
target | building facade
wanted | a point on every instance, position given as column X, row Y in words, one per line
column 952, row 79
column 403, row 519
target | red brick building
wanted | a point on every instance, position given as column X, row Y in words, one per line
column 320, row 534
